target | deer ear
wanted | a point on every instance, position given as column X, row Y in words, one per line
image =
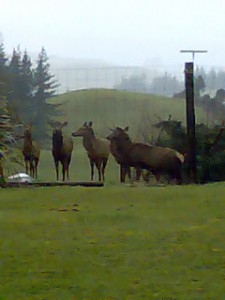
column 126, row 128
column 52, row 123
column 64, row 124
column 90, row 124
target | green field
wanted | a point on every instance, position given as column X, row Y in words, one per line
column 113, row 242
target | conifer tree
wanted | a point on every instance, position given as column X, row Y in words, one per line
column 3, row 58
column 27, row 89
column 5, row 130
column 5, row 127
column 15, row 93
column 4, row 76
column 45, row 86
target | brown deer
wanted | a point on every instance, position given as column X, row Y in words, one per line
column 158, row 160
column 124, row 169
column 62, row 148
column 31, row 152
column 97, row 149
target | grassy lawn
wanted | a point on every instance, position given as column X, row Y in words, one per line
column 115, row 242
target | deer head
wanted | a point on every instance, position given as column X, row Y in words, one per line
column 85, row 130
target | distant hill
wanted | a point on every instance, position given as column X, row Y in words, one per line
column 108, row 108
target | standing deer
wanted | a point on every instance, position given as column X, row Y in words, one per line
column 31, row 152
column 124, row 169
column 158, row 160
column 62, row 148
column 97, row 149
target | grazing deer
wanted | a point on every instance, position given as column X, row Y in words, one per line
column 158, row 160
column 62, row 148
column 31, row 152
column 97, row 149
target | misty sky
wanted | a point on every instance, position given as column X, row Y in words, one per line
column 124, row 32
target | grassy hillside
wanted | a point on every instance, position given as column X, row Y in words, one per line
column 112, row 243
column 108, row 108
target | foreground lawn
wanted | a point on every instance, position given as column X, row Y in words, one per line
column 112, row 243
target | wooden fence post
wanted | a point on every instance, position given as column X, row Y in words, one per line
column 190, row 120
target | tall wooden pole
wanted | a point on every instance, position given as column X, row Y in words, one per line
column 190, row 119
column 190, row 115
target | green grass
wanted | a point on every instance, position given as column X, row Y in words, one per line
column 113, row 242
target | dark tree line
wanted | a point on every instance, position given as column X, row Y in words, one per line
column 214, row 79
column 169, row 85
column 26, row 90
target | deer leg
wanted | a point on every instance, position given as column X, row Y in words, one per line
column 63, row 170
column 35, row 167
column 178, row 176
column 68, row 173
column 1, row 171
column 26, row 166
column 123, row 171
column 31, row 168
column 138, row 173
column 98, row 166
column 57, row 169
column 146, row 176
column 128, row 172
column 157, row 176
column 104, row 163
column 92, row 169
column 66, row 170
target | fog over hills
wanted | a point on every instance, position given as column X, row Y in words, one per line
column 75, row 74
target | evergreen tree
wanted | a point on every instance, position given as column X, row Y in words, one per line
column 3, row 58
column 220, row 80
column 27, row 89
column 4, row 74
column 45, row 86
column 15, row 95
column 5, row 123
column 211, row 79
column 200, row 72
column 136, row 83
column 199, row 85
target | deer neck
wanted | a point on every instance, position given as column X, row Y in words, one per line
column 123, row 146
column 88, row 141
column 27, row 144
column 57, row 143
